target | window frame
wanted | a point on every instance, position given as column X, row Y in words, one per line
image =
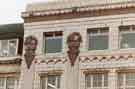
column 9, row 54
column 51, row 37
column 101, row 31
column 45, row 77
column 15, row 86
column 91, row 77
column 124, row 85
column 131, row 29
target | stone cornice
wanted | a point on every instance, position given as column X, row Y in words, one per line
column 88, row 58
column 76, row 9
column 62, row 4
column 81, row 14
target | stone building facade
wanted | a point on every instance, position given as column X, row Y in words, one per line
column 106, row 59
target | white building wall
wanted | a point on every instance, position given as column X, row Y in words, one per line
column 81, row 25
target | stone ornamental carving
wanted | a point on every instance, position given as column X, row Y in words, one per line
column 73, row 42
column 30, row 48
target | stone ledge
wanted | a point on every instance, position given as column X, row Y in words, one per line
column 11, row 61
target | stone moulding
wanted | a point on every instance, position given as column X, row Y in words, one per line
column 78, row 9
column 95, row 70
column 104, row 70
column 51, row 60
column 51, row 72
column 13, row 61
column 110, row 57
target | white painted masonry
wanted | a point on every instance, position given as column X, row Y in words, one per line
column 74, row 77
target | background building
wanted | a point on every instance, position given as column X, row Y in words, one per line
column 106, row 59
column 11, row 46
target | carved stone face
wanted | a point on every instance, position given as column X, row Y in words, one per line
column 30, row 43
column 73, row 42
column 30, row 47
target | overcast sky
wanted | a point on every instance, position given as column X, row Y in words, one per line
column 10, row 10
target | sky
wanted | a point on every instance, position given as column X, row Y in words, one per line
column 10, row 10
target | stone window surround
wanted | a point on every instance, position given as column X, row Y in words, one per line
column 103, row 83
column 129, row 29
column 102, row 31
column 50, row 72
column 10, row 75
column 112, row 75
column 124, row 72
column 55, row 35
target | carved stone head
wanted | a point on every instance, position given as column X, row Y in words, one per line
column 30, row 48
column 73, row 42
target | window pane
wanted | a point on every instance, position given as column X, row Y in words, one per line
column 4, row 47
column 88, row 81
column 1, row 83
column 53, row 45
column 120, row 80
column 43, row 82
column 97, row 80
column 126, row 80
column 130, row 79
column 12, row 47
column 105, row 80
column 58, row 81
column 50, row 87
column 53, row 82
column 10, row 83
column 127, row 40
column 99, row 42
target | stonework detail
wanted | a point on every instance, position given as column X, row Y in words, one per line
column 73, row 42
column 114, row 57
column 58, row 8
column 54, row 60
column 30, row 48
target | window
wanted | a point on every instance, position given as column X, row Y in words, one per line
column 8, row 47
column 53, row 42
column 50, row 82
column 98, row 38
column 126, row 80
column 127, row 36
column 8, row 83
column 96, row 81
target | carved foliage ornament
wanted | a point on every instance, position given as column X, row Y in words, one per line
column 73, row 42
column 30, row 48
